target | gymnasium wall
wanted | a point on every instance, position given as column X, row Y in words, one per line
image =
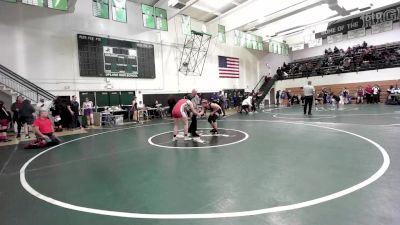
column 371, row 76
column 40, row 44
column 376, row 39
column 352, row 87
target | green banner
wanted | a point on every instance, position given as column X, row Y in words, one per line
column 119, row 11
column 161, row 19
column 58, row 4
column 100, row 8
column 10, row 0
column 148, row 16
column 221, row 33
column 34, row 2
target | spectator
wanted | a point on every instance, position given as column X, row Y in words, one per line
column 364, row 44
column 346, row 95
column 246, row 104
column 375, row 93
column 335, row 50
column 44, row 130
column 215, row 98
column 42, row 105
column 5, row 119
column 56, row 113
column 75, row 110
column 26, row 116
column 88, row 111
column 141, row 105
column 277, row 97
column 368, row 93
column 16, row 109
column 66, row 114
column 360, row 95
column 221, row 102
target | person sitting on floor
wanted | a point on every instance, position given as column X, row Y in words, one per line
column 44, row 130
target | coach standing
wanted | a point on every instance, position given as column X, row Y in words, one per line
column 309, row 92
column 196, row 104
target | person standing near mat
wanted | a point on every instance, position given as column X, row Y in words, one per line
column 309, row 92
column 195, row 99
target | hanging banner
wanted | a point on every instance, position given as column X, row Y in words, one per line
column 119, row 11
column 356, row 33
column 382, row 27
column 34, row 2
column 236, row 38
column 221, row 34
column 297, row 47
column 315, row 42
column 100, row 9
column 335, row 38
column 58, row 4
column 161, row 19
column 186, row 25
column 363, row 20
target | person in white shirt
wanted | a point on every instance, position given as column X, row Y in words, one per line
column 246, row 104
column 43, row 106
column 141, row 105
column 309, row 92
column 375, row 93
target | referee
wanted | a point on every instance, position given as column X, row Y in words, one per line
column 309, row 92
column 196, row 104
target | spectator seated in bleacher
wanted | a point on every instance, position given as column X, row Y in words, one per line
column 356, row 58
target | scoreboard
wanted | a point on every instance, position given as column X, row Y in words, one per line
column 105, row 57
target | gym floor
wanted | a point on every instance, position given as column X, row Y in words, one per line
column 273, row 167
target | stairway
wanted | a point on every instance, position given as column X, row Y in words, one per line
column 264, row 86
column 14, row 85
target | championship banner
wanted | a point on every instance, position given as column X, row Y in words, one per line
column 119, row 11
column 364, row 20
column 221, row 34
column 335, row 38
column 58, row 4
column 186, row 25
column 382, row 27
column 100, row 9
column 356, row 33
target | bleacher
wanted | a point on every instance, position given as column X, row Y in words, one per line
column 359, row 58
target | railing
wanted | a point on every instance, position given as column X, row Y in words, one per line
column 259, row 84
column 23, row 86
column 266, row 87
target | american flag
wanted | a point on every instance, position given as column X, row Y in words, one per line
column 228, row 67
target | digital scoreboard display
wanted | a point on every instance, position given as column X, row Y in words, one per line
column 105, row 57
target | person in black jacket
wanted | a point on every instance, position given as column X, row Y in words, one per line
column 5, row 119
column 16, row 108
column 26, row 116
